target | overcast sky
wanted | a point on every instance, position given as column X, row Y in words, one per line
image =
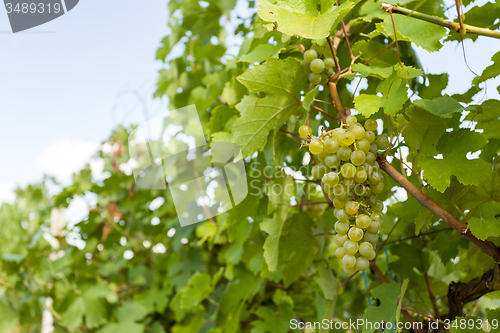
column 60, row 82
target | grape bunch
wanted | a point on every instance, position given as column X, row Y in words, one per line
column 352, row 179
column 321, row 69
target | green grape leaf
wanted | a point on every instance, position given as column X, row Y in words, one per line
column 433, row 85
column 424, row 131
column 261, row 53
column 393, row 91
column 387, row 311
column 492, row 70
column 443, row 106
column 327, row 282
column 281, row 81
column 372, row 9
column 220, row 115
column 302, row 18
column 437, row 172
column 488, row 119
column 222, row 137
column 424, row 34
column 296, row 247
column 279, row 203
column 309, row 98
column 9, row 319
column 233, row 92
column 126, row 327
column 195, row 291
column 486, row 223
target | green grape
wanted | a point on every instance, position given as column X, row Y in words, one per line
column 337, row 132
column 314, row 78
column 377, row 217
column 349, row 271
column 329, row 63
column 331, row 179
column 324, row 80
column 359, row 190
column 310, row 55
column 347, row 139
column 344, row 153
column 340, row 192
column 341, row 227
column 363, row 221
column 496, row 167
column 371, row 237
column 341, row 215
column 378, row 206
column 363, row 145
column 374, row 149
column 356, row 234
column 375, row 178
column 351, row 119
column 368, row 191
column 358, row 157
column 318, row 171
column 331, row 145
column 339, row 204
column 330, row 72
column 322, row 156
column 382, row 142
column 340, row 252
column 358, row 131
column 348, row 170
column 332, row 161
column 349, row 183
column 373, row 228
column 351, row 207
column 305, row 131
column 317, row 66
column 362, row 264
column 340, row 239
column 315, row 146
column 306, row 65
column 370, row 158
column 371, row 256
column 371, row 199
column 360, row 176
column 371, row 125
column 370, row 136
column 365, row 248
column 351, row 247
column 378, row 188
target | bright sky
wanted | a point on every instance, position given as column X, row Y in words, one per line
column 62, row 85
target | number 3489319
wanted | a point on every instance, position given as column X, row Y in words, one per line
column 32, row 8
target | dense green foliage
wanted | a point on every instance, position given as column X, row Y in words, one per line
column 271, row 259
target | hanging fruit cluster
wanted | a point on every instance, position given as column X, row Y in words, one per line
column 321, row 69
column 351, row 178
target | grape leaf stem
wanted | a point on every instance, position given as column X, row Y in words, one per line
column 455, row 26
column 486, row 246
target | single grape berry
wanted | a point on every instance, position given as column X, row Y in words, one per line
column 370, row 136
column 370, row 158
column 360, row 177
column 341, row 227
column 374, row 227
column 358, row 131
column 356, row 234
column 358, row 157
column 329, row 63
column 371, row 124
column 349, row 261
column 349, row 271
column 344, row 153
column 377, row 217
column 351, row 247
column 371, row 237
column 305, row 131
column 331, row 179
column 338, row 203
column 351, row 119
column 374, row 149
column 336, row 133
column 332, row 161
column 378, row 206
column 318, row 171
column 317, row 66
column 330, row 72
column 315, row 146
column 365, row 248
column 341, row 215
column 351, row 207
column 340, row 239
column 348, row 170
column 363, row 221
column 347, row 139
column 314, row 78
column 331, row 145
column 378, row 188
column 310, row 55
column 340, row 252
column 382, row 142
column 362, row 264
